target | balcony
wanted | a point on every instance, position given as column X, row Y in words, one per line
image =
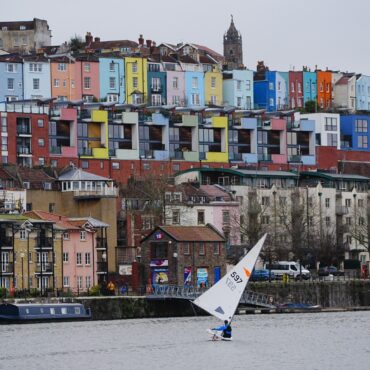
column 341, row 210
column 7, row 268
column 264, row 157
column 44, row 243
column 236, row 157
column 156, row 89
column 105, row 192
column 146, row 154
column 22, row 130
column 101, row 243
column 44, row 268
column 101, row 267
column 85, row 151
column 177, row 155
column 55, row 150
column 23, row 150
column 6, row 242
column 295, row 159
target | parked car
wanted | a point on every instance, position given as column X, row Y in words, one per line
column 330, row 270
column 290, row 268
column 262, row 275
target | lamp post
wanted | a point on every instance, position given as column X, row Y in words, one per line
column 22, row 257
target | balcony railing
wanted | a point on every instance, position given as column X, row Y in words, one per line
column 104, row 192
column 341, row 210
column 23, row 150
column 264, row 157
column 101, row 243
column 44, row 243
column 177, row 155
column 295, row 158
column 235, row 156
column 101, row 267
column 85, row 151
column 21, row 130
column 44, row 268
column 6, row 268
column 149, row 154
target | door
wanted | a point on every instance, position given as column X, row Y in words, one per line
column 217, row 273
column 44, row 261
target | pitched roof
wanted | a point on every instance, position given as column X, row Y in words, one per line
column 77, row 174
column 82, row 221
column 193, row 233
column 62, row 222
column 99, row 45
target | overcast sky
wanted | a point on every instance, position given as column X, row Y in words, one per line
column 286, row 34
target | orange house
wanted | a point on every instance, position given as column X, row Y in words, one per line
column 324, row 89
column 62, row 78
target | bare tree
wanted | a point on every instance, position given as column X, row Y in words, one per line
column 359, row 230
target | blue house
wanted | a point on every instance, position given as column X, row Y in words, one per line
column 157, row 85
column 11, row 78
column 354, row 130
column 363, row 93
column 194, row 88
column 112, row 75
column 309, row 86
column 238, row 88
column 265, row 90
column 36, row 77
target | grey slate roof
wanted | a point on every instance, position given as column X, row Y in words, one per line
column 77, row 174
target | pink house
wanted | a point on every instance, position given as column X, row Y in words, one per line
column 86, row 83
column 176, row 88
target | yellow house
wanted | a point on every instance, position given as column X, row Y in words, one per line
column 136, row 80
column 213, row 87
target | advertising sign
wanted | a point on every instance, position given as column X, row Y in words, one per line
column 202, row 277
column 159, row 276
column 125, row 269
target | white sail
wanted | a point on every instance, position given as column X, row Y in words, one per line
column 223, row 298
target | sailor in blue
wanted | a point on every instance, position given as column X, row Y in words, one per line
column 226, row 329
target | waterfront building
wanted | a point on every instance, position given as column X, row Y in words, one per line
column 11, row 77
column 355, row 131
column 124, row 47
column 157, row 84
column 36, row 76
column 213, row 87
column 63, row 72
column 136, row 80
column 112, row 79
column 327, row 127
column 86, row 85
column 363, row 93
column 344, row 92
column 184, row 255
column 238, row 89
column 309, row 86
column 194, row 82
column 24, row 36
column 324, row 89
column 296, row 89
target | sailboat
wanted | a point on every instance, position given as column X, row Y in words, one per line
column 223, row 298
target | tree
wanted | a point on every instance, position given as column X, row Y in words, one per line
column 76, row 43
column 359, row 230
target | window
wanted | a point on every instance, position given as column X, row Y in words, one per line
column 331, row 124
column 87, row 67
column 361, row 221
column 84, row 164
column 216, row 248
column 51, row 207
column 265, row 220
column 83, row 235
column 238, row 85
column 282, row 201
column 348, row 220
column 41, row 161
column 4, row 124
column 79, row 258
column 10, row 83
column 36, row 83
column 56, row 82
column 195, row 99
column 112, row 83
column 115, row 165
column 202, row 249
column 348, row 202
column 87, row 83
column 65, row 257
column 327, row 221
column 265, row 201
column 88, row 282
column 146, row 166
column 175, row 216
column 62, row 67
column 360, row 203
column 271, row 86
column 175, row 82
column 11, row 68
column 40, row 123
column 213, row 82
column 226, row 217
column 248, row 85
column 201, row 217
column 186, row 248
column 79, row 282
column 134, row 67
column 23, row 234
column 194, row 82
column 87, row 258
column 327, row 202
column 135, row 82
column 35, row 67
column 239, row 101
column 66, row 281
column 332, row 139
column 53, row 163
column 41, row 142
column 362, row 141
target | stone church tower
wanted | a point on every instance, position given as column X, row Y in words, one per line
column 233, row 49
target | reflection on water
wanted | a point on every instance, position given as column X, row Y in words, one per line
column 321, row 341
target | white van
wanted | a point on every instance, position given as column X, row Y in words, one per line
column 290, row 268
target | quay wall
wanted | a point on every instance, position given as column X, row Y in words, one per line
column 336, row 295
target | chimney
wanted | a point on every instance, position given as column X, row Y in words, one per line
column 148, row 43
column 141, row 40
column 97, row 39
column 154, row 44
column 88, row 38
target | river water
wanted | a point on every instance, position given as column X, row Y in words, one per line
column 322, row 341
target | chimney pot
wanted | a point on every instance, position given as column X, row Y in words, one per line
column 148, row 43
column 141, row 40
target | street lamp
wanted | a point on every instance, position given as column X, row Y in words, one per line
column 22, row 257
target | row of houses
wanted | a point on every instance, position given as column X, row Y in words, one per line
column 185, row 74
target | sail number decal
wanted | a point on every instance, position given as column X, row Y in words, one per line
column 236, row 279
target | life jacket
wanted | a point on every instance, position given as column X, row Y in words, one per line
column 227, row 332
